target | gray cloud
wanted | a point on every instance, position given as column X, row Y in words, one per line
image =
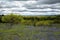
column 39, row 1
column 48, row 1
column 29, row 8
column 13, row 0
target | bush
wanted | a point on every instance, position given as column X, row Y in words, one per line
column 31, row 20
column 27, row 22
column 11, row 18
column 47, row 22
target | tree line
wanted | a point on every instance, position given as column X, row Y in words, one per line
column 30, row 20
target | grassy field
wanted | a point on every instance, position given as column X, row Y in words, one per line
column 23, row 32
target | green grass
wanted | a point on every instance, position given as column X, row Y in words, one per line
column 22, row 32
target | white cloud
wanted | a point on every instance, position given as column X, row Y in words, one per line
column 26, row 8
column 31, row 2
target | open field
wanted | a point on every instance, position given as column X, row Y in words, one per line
column 23, row 32
column 17, row 27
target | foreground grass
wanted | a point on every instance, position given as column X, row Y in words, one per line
column 23, row 32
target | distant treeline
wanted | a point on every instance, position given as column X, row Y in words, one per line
column 30, row 20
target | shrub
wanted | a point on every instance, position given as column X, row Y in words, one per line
column 11, row 18
column 47, row 22
column 30, row 20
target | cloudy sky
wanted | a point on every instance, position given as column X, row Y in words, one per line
column 30, row 7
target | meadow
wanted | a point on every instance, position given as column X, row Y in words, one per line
column 24, row 32
column 17, row 27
